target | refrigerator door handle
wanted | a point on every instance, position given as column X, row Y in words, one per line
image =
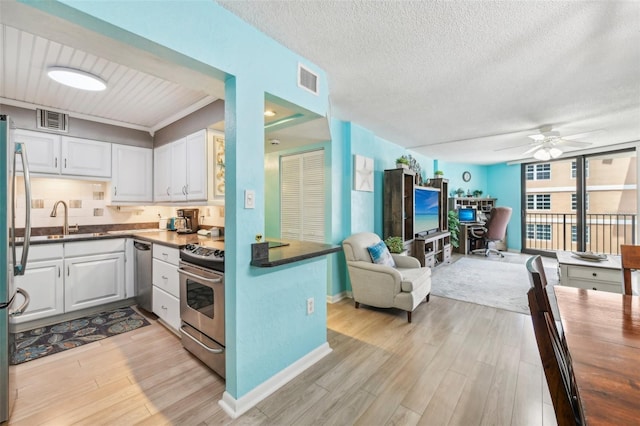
column 19, row 268
column 25, row 304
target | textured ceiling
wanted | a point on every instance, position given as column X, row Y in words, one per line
column 467, row 81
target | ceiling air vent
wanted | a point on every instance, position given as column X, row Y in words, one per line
column 307, row 79
column 51, row 120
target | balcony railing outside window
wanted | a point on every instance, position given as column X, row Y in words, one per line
column 606, row 231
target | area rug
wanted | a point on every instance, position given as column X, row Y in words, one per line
column 43, row 341
column 494, row 283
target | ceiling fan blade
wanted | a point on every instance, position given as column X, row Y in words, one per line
column 511, row 147
column 577, row 144
column 532, row 149
column 581, row 135
column 537, row 137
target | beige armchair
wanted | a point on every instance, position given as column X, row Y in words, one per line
column 403, row 287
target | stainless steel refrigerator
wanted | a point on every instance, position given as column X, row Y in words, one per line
column 13, row 301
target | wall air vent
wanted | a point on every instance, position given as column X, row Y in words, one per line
column 51, row 120
column 307, row 79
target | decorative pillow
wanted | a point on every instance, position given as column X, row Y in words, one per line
column 380, row 254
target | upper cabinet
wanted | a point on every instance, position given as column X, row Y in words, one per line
column 131, row 174
column 180, row 169
column 55, row 154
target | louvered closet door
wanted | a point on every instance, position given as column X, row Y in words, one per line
column 302, row 197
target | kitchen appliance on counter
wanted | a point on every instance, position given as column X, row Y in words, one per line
column 202, row 301
column 190, row 223
column 10, row 266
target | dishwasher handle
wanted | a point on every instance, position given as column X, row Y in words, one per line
column 142, row 246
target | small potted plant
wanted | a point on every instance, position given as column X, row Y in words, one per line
column 402, row 162
column 454, row 223
column 460, row 192
column 477, row 193
column 394, row 244
column 438, row 174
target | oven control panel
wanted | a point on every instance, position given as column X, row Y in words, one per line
column 204, row 252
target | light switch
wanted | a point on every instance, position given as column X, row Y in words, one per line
column 249, row 199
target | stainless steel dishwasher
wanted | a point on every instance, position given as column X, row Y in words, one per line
column 144, row 294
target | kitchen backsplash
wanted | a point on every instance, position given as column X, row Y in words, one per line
column 88, row 205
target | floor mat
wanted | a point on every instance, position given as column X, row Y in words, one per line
column 43, row 341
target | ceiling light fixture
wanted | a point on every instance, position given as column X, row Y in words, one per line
column 76, row 78
column 546, row 153
column 269, row 113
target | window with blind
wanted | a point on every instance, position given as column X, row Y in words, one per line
column 302, row 197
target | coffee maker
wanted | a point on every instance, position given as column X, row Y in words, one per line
column 189, row 224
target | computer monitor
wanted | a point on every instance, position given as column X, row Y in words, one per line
column 467, row 215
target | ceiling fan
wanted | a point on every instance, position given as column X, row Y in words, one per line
column 548, row 143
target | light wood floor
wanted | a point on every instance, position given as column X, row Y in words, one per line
column 457, row 364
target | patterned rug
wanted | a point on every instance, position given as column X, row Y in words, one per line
column 43, row 341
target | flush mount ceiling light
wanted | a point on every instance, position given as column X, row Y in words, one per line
column 269, row 113
column 76, row 78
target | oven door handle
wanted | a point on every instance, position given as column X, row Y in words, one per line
column 205, row 347
column 198, row 277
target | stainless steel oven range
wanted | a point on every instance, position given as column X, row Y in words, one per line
column 202, row 304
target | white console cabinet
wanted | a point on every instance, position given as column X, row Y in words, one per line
column 603, row 276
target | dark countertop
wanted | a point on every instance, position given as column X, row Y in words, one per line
column 294, row 251
column 168, row 238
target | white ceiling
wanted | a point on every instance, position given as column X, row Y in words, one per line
column 467, row 81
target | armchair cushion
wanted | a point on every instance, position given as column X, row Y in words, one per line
column 380, row 254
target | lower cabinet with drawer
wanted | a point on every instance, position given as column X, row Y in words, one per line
column 166, row 285
column 591, row 278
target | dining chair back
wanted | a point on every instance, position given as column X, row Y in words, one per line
column 555, row 359
column 630, row 257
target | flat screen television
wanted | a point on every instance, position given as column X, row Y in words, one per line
column 427, row 210
column 467, row 215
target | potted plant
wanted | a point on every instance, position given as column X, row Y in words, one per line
column 477, row 193
column 460, row 192
column 402, row 162
column 454, row 230
column 394, row 244
column 438, row 174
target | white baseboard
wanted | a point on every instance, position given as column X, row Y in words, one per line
column 237, row 407
column 338, row 297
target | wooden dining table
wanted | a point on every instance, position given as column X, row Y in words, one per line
column 602, row 332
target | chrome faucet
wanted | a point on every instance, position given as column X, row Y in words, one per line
column 54, row 213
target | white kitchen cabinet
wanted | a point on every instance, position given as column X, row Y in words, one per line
column 93, row 280
column 131, row 174
column 44, row 281
column 180, row 169
column 196, row 170
column 43, row 151
column 166, row 284
column 167, row 308
column 55, row 155
column 84, row 157
column 162, row 173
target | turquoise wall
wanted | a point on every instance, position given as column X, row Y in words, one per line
column 267, row 325
column 504, row 183
column 453, row 172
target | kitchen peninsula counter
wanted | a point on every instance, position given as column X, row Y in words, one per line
column 293, row 251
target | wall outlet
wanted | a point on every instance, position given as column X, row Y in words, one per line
column 310, row 306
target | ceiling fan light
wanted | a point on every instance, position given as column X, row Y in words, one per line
column 555, row 152
column 76, row 78
column 542, row 154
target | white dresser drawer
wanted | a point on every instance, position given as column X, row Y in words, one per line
column 167, row 308
column 596, row 285
column 165, row 276
column 598, row 274
column 166, row 254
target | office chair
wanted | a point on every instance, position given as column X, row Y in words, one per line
column 494, row 230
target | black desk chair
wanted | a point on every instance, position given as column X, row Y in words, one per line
column 494, row 230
